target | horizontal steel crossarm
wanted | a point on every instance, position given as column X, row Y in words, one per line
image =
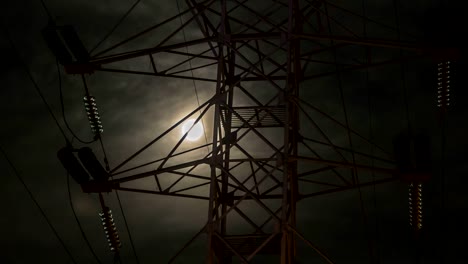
column 162, row 193
column 191, row 187
column 157, row 74
column 97, row 62
column 270, row 77
column 366, row 42
column 319, row 182
column 350, row 187
column 259, row 36
column 344, row 164
column 192, row 55
column 261, row 196
column 161, row 170
column 311, row 172
column 188, row 173
column 97, row 67
column 194, row 68
column 350, row 150
column 190, row 58
column 175, row 192
column 252, row 159
column 363, row 66
column 146, row 52
column 199, row 177
column 161, row 159
column 344, row 69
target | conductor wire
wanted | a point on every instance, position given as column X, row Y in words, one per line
column 31, row 195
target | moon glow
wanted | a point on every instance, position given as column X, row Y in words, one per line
column 195, row 133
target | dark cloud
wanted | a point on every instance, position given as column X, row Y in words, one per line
column 135, row 109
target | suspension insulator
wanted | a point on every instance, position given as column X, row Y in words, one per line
column 110, row 230
column 93, row 114
column 443, row 85
column 415, row 205
column 91, row 163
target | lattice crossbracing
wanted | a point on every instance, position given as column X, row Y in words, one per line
column 265, row 135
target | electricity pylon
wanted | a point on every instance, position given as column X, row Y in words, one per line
column 267, row 149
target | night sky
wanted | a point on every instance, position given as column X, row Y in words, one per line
column 135, row 109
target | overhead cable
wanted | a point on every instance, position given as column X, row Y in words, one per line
column 115, row 26
column 79, row 223
column 31, row 195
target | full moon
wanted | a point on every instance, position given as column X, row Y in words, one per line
column 195, row 133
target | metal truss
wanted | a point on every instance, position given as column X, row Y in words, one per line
column 258, row 149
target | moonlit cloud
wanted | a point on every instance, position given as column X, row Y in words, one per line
column 136, row 109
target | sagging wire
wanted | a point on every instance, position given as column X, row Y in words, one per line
column 31, row 195
column 62, row 105
column 369, row 105
column 79, row 223
column 33, row 81
column 97, row 128
column 354, row 170
column 115, row 26
column 191, row 71
column 95, row 123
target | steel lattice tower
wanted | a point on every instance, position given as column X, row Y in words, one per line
column 260, row 56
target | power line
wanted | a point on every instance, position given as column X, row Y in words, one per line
column 443, row 142
column 115, row 26
column 402, row 69
column 17, row 174
column 128, row 229
column 74, row 135
column 417, row 243
column 371, row 135
column 36, row 86
column 120, row 206
column 60, row 90
column 78, row 221
column 354, row 170
column 191, row 71
column 106, row 163
column 62, row 105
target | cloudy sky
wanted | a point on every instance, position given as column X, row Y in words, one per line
column 135, row 109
